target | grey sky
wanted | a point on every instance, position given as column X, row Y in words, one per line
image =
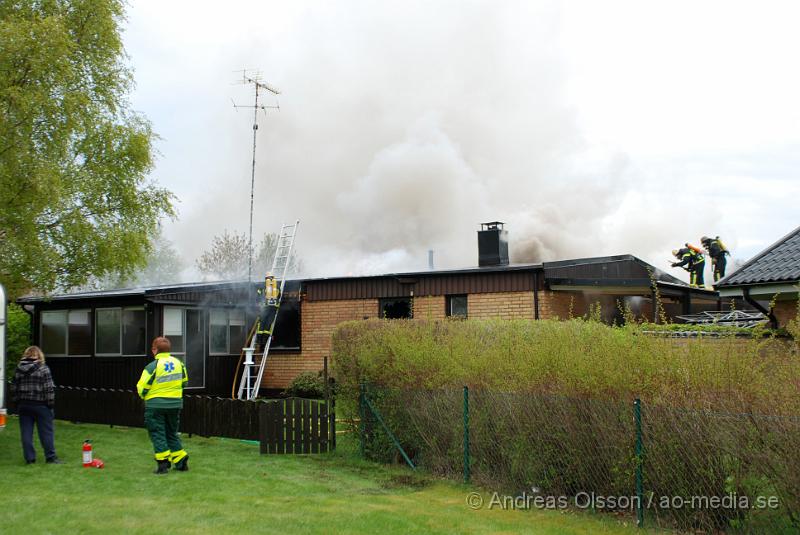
column 592, row 128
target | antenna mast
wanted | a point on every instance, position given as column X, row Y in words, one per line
column 254, row 79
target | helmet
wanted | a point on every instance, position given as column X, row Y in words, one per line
column 705, row 239
column 675, row 252
column 269, row 275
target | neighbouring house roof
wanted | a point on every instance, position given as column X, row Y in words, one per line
column 778, row 263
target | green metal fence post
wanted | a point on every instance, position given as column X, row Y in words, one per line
column 637, row 417
column 466, row 434
column 362, row 415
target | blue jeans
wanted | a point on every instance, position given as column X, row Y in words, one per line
column 30, row 413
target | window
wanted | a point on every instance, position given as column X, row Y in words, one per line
column 120, row 331
column 134, row 337
column 107, row 323
column 457, row 306
column 79, row 333
column 186, row 330
column 287, row 326
column 66, row 332
column 226, row 333
column 54, row 333
column 218, row 332
column 237, row 329
column 173, row 328
column 395, row 308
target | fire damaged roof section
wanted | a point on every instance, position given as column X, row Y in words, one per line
column 625, row 274
column 489, row 280
column 780, row 262
column 604, row 269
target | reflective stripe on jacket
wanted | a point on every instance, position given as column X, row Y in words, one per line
column 165, row 377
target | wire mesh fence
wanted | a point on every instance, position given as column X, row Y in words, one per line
column 690, row 470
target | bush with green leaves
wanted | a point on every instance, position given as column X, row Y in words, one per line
column 307, row 385
column 18, row 336
column 576, row 358
column 551, row 409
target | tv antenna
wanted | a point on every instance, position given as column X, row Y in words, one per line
column 254, row 78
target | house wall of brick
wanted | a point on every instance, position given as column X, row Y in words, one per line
column 318, row 321
column 430, row 307
column 504, row 305
column 557, row 305
column 785, row 311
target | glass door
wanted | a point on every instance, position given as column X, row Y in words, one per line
column 195, row 348
column 186, row 331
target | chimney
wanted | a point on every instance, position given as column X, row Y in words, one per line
column 492, row 244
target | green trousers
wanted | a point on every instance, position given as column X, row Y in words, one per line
column 162, row 424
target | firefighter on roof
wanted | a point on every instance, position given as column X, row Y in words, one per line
column 717, row 251
column 693, row 262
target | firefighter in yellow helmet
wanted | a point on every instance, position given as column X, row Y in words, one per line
column 161, row 388
column 269, row 307
column 717, row 251
column 693, row 262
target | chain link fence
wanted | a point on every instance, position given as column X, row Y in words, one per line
column 691, row 470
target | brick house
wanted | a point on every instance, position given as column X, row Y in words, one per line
column 99, row 339
column 772, row 277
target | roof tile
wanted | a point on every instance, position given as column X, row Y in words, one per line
column 780, row 262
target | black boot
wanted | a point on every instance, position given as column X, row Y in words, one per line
column 163, row 467
column 182, row 465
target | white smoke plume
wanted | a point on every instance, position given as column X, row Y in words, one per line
column 403, row 125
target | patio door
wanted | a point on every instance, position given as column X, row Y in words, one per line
column 185, row 329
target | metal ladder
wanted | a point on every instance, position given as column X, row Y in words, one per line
column 253, row 371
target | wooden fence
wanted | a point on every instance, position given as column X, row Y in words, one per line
column 292, row 425
column 296, row 425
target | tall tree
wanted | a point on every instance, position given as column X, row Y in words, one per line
column 163, row 265
column 227, row 258
column 75, row 203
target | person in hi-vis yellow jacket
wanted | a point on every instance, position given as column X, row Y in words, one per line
column 161, row 388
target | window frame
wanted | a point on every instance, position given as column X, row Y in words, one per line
column 182, row 355
column 66, row 311
column 121, row 353
column 163, row 329
column 90, row 314
column 383, row 300
column 228, row 312
column 227, row 324
column 448, row 310
column 66, row 332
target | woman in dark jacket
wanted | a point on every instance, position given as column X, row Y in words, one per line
column 34, row 392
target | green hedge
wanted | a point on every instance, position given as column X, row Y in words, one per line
column 551, row 411
column 576, row 358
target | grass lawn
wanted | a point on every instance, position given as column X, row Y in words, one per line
column 230, row 488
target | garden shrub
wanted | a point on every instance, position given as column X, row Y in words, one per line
column 551, row 410
column 307, row 385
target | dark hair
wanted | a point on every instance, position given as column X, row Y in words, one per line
column 162, row 344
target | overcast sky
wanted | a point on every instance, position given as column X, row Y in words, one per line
column 591, row 128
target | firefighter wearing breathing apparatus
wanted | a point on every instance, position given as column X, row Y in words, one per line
column 717, row 251
column 161, row 387
column 269, row 307
column 692, row 261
